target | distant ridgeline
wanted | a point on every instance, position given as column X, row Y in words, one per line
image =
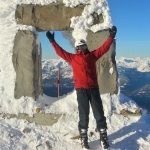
column 50, row 75
column 134, row 78
column 133, row 83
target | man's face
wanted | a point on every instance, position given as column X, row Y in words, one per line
column 81, row 48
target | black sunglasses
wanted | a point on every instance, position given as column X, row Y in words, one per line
column 80, row 47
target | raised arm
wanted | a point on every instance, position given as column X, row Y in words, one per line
column 59, row 51
column 105, row 47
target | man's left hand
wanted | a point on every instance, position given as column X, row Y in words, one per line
column 113, row 32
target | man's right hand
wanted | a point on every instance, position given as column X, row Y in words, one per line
column 50, row 36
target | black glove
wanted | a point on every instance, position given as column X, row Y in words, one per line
column 112, row 32
column 50, row 36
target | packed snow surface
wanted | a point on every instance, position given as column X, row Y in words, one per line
column 131, row 133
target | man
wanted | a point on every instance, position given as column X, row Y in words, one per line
column 85, row 79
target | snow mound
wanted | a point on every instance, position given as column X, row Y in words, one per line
column 124, row 132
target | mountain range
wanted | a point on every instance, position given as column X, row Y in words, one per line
column 133, row 78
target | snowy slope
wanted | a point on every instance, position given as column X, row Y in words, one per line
column 130, row 133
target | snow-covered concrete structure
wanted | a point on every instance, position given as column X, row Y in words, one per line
column 20, row 50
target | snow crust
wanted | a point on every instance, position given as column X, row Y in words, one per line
column 124, row 132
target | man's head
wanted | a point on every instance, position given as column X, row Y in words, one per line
column 81, row 45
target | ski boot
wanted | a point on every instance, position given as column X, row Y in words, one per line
column 84, row 139
column 104, row 139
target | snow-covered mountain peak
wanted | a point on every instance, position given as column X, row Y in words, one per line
column 50, row 68
column 141, row 64
column 54, row 63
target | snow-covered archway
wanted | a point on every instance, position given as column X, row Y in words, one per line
column 90, row 24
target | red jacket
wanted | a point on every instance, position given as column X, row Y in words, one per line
column 84, row 64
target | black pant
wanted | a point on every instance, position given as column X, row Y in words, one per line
column 84, row 96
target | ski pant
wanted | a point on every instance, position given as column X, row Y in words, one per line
column 85, row 97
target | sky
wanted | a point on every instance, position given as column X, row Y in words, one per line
column 133, row 35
